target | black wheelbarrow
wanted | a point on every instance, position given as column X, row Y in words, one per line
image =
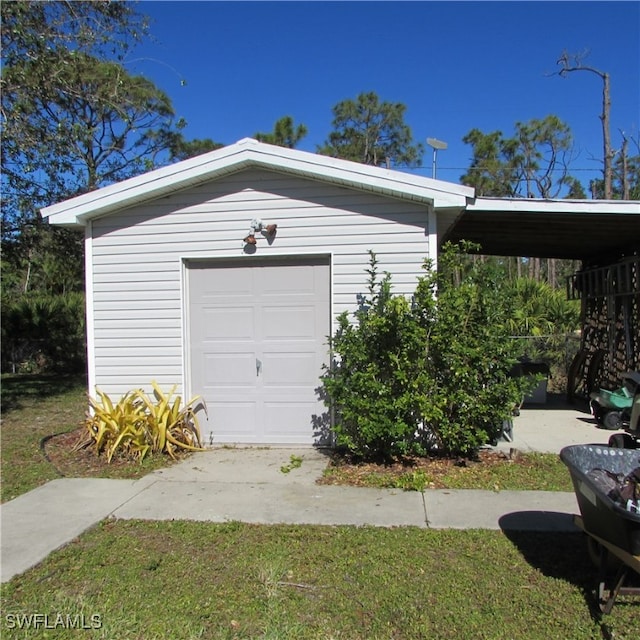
column 613, row 528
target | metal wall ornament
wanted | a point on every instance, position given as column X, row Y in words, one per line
column 260, row 227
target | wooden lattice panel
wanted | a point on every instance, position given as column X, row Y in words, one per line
column 611, row 322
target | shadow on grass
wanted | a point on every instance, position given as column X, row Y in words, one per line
column 18, row 390
column 548, row 543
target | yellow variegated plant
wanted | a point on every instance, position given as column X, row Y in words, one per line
column 138, row 423
column 172, row 425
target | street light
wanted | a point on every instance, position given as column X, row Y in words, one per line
column 435, row 145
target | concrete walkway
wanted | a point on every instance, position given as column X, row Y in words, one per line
column 248, row 485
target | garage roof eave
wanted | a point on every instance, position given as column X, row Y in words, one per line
column 250, row 153
column 587, row 230
column 550, row 206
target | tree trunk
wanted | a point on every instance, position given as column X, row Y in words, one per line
column 567, row 67
column 551, row 272
column 606, row 137
column 534, row 269
column 626, row 189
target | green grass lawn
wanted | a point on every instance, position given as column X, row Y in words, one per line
column 149, row 580
column 35, row 407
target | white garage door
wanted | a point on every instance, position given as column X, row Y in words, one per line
column 258, row 340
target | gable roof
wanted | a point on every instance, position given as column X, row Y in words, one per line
column 248, row 153
column 577, row 229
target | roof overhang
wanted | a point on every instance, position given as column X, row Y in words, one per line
column 249, row 153
column 574, row 229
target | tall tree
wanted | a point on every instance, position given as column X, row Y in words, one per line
column 575, row 62
column 284, row 134
column 181, row 149
column 372, row 132
column 575, row 190
column 72, row 118
column 544, row 152
column 494, row 167
column 625, row 175
column 533, row 163
column 103, row 28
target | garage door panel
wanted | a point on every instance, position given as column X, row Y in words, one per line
column 289, row 369
column 284, row 422
column 224, row 284
column 229, row 370
column 232, row 421
column 258, row 342
column 289, row 322
column 225, row 323
column 289, row 280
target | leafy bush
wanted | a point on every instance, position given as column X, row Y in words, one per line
column 546, row 324
column 44, row 332
column 378, row 378
column 137, row 424
column 542, row 310
column 431, row 373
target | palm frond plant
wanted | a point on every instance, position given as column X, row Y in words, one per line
column 138, row 424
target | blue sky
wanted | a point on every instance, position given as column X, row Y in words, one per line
column 455, row 65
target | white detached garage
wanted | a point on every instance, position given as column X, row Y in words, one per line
column 189, row 283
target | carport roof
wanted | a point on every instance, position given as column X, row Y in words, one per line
column 574, row 229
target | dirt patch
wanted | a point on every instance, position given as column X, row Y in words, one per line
column 438, row 471
column 72, row 462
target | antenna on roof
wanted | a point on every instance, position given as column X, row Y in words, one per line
column 435, row 144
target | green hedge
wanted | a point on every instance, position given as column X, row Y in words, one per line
column 44, row 332
column 431, row 373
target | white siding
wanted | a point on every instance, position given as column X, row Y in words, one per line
column 137, row 266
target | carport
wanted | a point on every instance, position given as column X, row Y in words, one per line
column 605, row 236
